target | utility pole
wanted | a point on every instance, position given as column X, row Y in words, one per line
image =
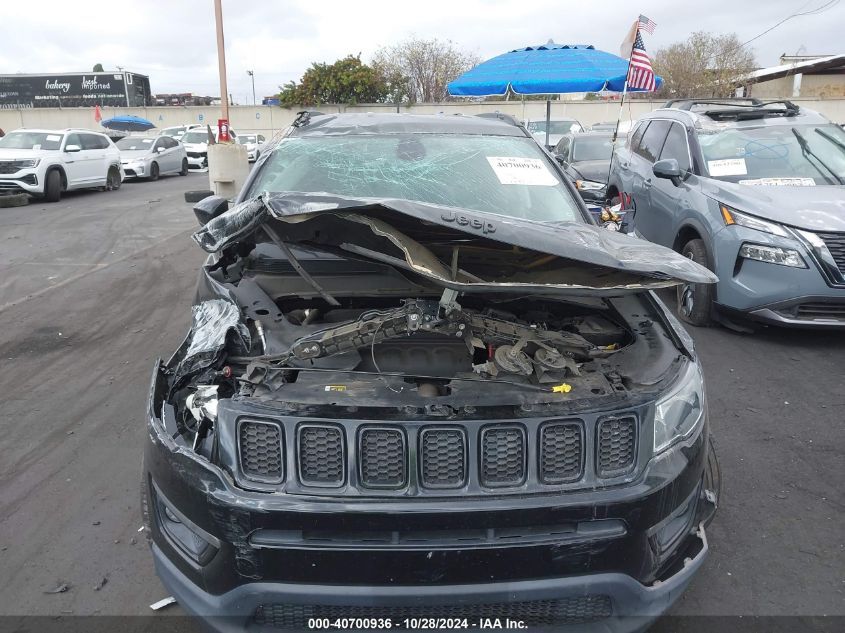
column 221, row 58
column 252, row 75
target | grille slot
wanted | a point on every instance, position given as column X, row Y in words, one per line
column 561, row 452
column 575, row 610
column 322, row 459
column 617, row 441
column 502, row 456
column 821, row 311
column 382, row 458
column 260, row 448
column 835, row 243
column 442, row 458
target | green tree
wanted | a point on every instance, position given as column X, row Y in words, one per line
column 705, row 65
column 98, row 68
column 419, row 70
column 347, row 80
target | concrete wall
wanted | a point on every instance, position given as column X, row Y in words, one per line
column 816, row 86
column 270, row 119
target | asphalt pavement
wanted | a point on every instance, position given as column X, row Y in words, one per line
column 94, row 288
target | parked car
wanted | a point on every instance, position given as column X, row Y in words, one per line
column 254, row 144
column 46, row 163
column 585, row 159
column 557, row 128
column 150, row 157
column 178, row 131
column 752, row 190
column 196, row 145
column 421, row 380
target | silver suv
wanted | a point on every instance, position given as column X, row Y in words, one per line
column 45, row 163
column 752, row 190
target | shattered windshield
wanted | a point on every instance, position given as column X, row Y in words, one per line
column 801, row 155
column 508, row 176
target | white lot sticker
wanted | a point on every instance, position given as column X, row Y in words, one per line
column 727, row 167
column 522, row 171
column 780, row 182
column 54, row 137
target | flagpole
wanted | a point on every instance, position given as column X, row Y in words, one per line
column 621, row 106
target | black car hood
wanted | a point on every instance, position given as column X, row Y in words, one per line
column 595, row 170
column 465, row 250
column 819, row 208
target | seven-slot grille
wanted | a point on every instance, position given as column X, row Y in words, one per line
column 502, row 456
column 835, row 243
column 561, row 452
column 453, row 457
column 442, row 458
column 382, row 458
column 617, row 444
column 321, row 454
column 261, row 446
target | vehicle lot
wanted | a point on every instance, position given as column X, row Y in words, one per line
column 95, row 287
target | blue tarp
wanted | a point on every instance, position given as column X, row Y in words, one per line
column 548, row 69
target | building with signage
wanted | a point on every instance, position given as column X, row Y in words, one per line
column 75, row 90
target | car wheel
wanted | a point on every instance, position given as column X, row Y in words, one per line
column 113, row 179
column 695, row 301
column 53, row 186
column 184, row 171
column 154, row 171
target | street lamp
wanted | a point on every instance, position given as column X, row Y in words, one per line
column 252, row 75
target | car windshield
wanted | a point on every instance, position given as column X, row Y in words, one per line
column 592, row 148
column 555, row 127
column 134, row 144
column 248, row 138
column 195, row 136
column 806, row 154
column 31, row 140
column 172, row 131
column 508, row 176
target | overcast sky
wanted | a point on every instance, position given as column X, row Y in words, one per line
column 173, row 41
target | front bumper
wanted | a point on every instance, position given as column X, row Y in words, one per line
column 616, row 580
column 772, row 293
column 198, row 160
column 25, row 180
column 633, row 605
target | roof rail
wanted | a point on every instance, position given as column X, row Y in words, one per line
column 688, row 104
column 501, row 116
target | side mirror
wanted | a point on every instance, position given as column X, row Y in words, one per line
column 73, row 148
column 560, row 159
column 668, row 168
column 160, row 149
column 210, row 207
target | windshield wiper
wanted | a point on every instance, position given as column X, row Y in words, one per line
column 830, row 138
column 807, row 152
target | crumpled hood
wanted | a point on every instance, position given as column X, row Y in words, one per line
column 819, row 208
column 595, row 170
column 466, row 250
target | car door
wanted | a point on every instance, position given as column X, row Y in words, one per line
column 74, row 161
column 164, row 155
column 642, row 158
column 668, row 202
column 93, row 156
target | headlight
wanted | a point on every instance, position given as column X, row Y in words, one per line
column 588, row 185
column 27, row 164
column 772, row 255
column 680, row 412
column 732, row 216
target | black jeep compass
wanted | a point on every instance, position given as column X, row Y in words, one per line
column 423, row 389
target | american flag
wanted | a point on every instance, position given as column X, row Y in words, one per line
column 640, row 74
column 647, row 24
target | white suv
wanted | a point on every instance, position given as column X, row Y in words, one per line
column 196, row 144
column 45, row 163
